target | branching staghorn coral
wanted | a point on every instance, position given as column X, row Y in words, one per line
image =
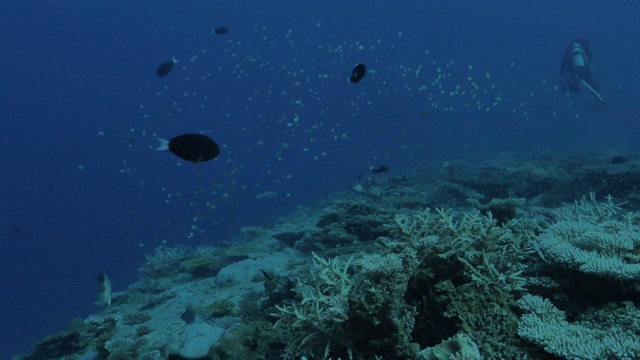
column 352, row 309
column 477, row 269
column 466, row 266
column 503, row 210
column 488, row 253
column 317, row 323
column 382, row 284
column 590, row 210
column 163, row 262
column 123, row 347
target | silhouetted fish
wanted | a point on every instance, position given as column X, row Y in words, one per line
column 380, row 169
column 166, row 67
column 358, row 73
column 618, row 160
column 191, row 147
column 221, row 30
column 189, row 315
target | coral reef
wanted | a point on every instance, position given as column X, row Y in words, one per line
column 135, row 318
column 163, row 262
column 503, row 210
column 219, row 308
column 383, row 290
column 605, row 334
column 459, row 346
column 498, row 259
column 475, row 271
column 593, row 238
column 250, row 341
column 591, row 257
column 317, row 325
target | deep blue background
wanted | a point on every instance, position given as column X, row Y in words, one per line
column 75, row 202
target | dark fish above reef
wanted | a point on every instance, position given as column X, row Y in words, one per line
column 191, row 147
column 221, row 30
column 166, row 67
column 189, row 315
column 380, row 169
column 618, row 160
column 358, row 73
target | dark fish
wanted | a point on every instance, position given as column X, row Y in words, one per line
column 618, row 160
column 221, row 30
column 191, row 147
column 358, row 73
column 189, row 315
column 380, row 169
column 267, row 275
column 166, row 67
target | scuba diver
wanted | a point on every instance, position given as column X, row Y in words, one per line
column 575, row 70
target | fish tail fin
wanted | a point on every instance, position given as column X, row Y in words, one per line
column 175, row 61
column 164, row 144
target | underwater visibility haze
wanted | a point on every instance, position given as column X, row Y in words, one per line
column 307, row 136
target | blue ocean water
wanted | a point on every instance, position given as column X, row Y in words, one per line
column 80, row 106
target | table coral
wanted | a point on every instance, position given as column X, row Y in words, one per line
column 613, row 336
column 593, row 238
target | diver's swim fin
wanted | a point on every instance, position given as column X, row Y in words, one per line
column 592, row 96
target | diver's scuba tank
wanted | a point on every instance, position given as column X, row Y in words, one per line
column 576, row 72
column 578, row 58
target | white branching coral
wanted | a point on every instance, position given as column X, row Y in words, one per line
column 368, row 305
column 351, row 308
column 593, row 238
column 381, row 289
column 317, row 323
column 475, row 268
column 605, row 335
column 163, row 262
column 124, row 346
column 489, row 253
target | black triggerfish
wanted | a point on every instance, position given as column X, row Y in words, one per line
column 221, row 30
column 358, row 73
column 191, row 147
column 380, row 169
column 166, row 67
